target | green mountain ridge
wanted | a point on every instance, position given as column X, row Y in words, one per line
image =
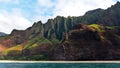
column 42, row 39
column 52, row 28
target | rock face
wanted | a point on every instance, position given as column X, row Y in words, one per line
column 42, row 49
column 79, row 41
column 18, row 36
column 56, row 28
column 7, row 42
column 2, row 48
column 85, row 44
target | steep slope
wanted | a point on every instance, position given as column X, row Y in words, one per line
column 52, row 28
column 88, row 43
column 108, row 17
column 55, row 31
column 13, row 51
column 37, row 46
column 57, row 27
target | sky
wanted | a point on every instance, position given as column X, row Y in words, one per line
column 21, row 14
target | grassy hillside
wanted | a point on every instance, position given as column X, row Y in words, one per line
column 15, row 50
column 97, row 27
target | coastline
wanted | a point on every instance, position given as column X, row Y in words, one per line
column 15, row 61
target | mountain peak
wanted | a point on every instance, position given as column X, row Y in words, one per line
column 39, row 23
column 118, row 2
column 94, row 11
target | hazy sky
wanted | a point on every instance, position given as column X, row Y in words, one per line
column 20, row 14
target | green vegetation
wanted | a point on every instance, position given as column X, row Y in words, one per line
column 36, row 42
column 4, row 37
column 112, row 27
column 2, row 58
column 39, row 42
column 43, row 37
column 55, row 41
column 33, row 57
column 15, row 49
column 30, row 42
column 97, row 27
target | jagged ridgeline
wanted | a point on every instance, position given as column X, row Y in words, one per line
column 54, row 28
column 57, row 27
column 40, row 39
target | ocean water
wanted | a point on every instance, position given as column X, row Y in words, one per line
column 59, row 65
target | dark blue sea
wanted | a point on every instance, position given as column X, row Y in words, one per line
column 59, row 65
